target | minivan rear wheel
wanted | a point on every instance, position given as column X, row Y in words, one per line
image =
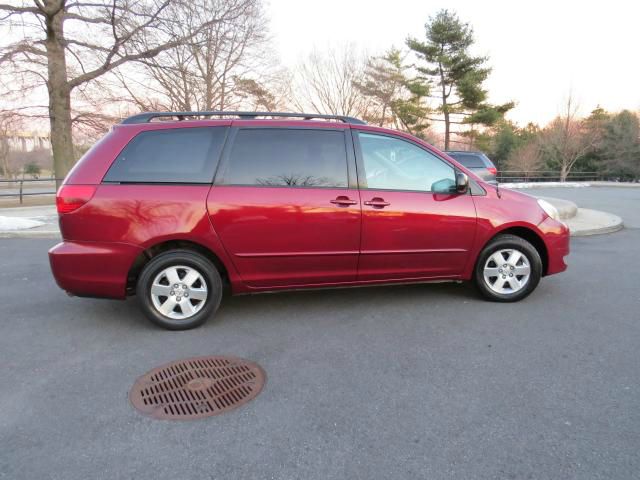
column 179, row 289
column 508, row 269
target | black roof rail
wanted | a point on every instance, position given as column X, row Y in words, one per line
column 147, row 117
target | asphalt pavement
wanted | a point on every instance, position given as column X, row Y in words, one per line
column 422, row 381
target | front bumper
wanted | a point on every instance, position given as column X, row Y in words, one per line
column 93, row 269
column 557, row 240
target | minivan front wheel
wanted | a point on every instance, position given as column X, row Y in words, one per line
column 508, row 269
column 179, row 289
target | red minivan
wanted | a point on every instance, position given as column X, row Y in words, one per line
column 173, row 206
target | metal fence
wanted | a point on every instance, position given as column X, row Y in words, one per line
column 27, row 187
column 507, row 176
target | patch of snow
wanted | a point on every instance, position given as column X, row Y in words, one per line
column 46, row 219
column 545, row 184
column 16, row 223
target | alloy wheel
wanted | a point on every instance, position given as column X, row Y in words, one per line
column 507, row 271
column 179, row 292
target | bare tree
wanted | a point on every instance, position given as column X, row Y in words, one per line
column 566, row 140
column 526, row 158
column 326, row 83
column 204, row 72
column 9, row 123
column 65, row 45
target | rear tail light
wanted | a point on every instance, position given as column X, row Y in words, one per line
column 72, row 197
column 492, row 170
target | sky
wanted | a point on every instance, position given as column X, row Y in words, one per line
column 540, row 51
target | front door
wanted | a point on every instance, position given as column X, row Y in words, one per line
column 284, row 207
column 414, row 225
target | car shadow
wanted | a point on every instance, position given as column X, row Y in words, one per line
column 348, row 299
column 352, row 301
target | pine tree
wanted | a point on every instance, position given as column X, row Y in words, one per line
column 459, row 76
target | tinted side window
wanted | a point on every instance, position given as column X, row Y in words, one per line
column 469, row 160
column 180, row 155
column 394, row 164
column 292, row 158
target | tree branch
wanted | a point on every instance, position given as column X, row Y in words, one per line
column 13, row 10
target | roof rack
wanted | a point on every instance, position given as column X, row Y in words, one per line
column 147, row 117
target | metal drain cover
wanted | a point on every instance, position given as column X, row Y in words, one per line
column 197, row 387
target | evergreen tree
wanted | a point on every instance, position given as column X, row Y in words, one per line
column 458, row 75
column 616, row 144
column 33, row 169
column 595, row 127
column 621, row 146
column 502, row 139
column 399, row 99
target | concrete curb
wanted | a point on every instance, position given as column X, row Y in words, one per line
column 31, row 234
column 593, row 222
column 616, row 184
column 585, row 222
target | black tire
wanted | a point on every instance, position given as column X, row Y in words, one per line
column 503, row 242
column 189, row 259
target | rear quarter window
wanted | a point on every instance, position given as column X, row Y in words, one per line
column 178, row 155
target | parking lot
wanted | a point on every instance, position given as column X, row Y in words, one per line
column 421, row 381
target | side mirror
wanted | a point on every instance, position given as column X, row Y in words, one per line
column 462, row 182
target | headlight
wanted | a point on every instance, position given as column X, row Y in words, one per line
column 549, row 209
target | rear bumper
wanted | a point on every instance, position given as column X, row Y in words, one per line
column 556, row 238
column 93, row 269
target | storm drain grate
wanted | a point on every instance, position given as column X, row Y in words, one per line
column 197, row 387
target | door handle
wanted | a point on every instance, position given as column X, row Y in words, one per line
column 343, row 201
column 377, row 202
